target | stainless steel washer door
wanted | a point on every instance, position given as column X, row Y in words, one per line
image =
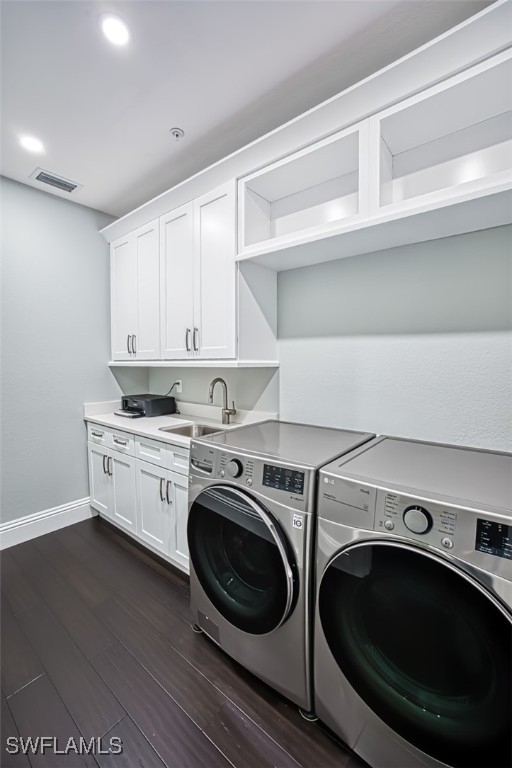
column 241, row 559
column 426, row 648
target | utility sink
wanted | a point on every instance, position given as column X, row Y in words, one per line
column 192, row 430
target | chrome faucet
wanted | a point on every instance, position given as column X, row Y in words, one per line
column 226, row 412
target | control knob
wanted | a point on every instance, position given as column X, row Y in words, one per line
column 234, row 468
column 417, row 519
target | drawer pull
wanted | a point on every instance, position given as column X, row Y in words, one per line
column 134, row 344
column 162, row 481
column 187, row 340
column 167, row 492
column 109, row 466
column 104, row 470
column 196, row 339
column 97, row 434
column 120, row 442
column 128, row 339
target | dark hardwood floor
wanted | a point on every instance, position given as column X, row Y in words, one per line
column 96, row 643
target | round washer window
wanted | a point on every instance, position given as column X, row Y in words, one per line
column 244, row 566
column 425, row 648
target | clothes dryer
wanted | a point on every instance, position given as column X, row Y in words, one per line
column 413, row 618
column 250, row 534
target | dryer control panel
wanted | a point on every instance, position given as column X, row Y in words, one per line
column 433, row 523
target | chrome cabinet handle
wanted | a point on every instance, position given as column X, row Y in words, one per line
column 109, row 465
column 128, row 339
column 120, row 442
column 97, row 434
column 104, row 457
column 162, row 481
column 167, row 487
column 187, row 339
column 134, row 344
column 196, row 339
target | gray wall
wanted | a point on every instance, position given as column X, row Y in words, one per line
column 413, row 341
column 250, row 388
column 55, row 343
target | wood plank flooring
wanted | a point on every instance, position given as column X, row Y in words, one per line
column 96, row 643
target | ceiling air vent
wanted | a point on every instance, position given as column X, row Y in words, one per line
column 45, row 177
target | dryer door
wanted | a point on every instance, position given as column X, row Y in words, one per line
column 426, row 648
column 241, row 559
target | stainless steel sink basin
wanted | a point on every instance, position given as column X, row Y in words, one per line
column 192, row 430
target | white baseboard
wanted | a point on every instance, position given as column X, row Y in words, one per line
column 31, row 526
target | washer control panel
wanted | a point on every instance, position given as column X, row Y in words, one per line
column 433, row 523
column 287, row 484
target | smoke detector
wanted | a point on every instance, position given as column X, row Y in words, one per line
column 177, row 133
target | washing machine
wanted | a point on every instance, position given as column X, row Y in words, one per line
column 413, row 617
column 250, row 532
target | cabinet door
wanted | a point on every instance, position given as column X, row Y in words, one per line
column 179, row 517
column 147, row 331
column 99, row 479
column 176, row 283
column 153, row 509
column 123, row 277
column 215, row 273
column 122, row 469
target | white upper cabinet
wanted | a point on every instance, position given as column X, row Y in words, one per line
column 123, row 276
column 135, row 301
column 177, row 282
column 198, row 278
column 214, row 333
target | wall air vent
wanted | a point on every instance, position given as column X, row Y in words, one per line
column 45, row 177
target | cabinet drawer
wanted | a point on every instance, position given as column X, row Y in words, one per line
column 96, row 434
column 123, row 442
column 153, row 451
column 179, row 458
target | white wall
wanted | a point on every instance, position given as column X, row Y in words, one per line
column 250, row 388
column 414, row 341
column 55, row 344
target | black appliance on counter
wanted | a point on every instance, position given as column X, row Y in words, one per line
column 134, row 406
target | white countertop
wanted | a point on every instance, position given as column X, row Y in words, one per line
column 190, row 413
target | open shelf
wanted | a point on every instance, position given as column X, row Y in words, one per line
column 457, row 136
column 193, row 364
column 312, row 188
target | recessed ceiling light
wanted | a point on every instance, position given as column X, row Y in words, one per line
column 115, row 29
column 31, row 143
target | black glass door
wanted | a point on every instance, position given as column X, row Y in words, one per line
column 241, row 559
column 425, row 648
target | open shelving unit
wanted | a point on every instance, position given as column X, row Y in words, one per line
column 313, row 188
column 434, row 165
column 455, row 137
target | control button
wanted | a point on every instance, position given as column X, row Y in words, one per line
column 222, row 473
column 389, row 525
column 234, row 468
column 446, row 542
column 417, row 519
column 249, row 481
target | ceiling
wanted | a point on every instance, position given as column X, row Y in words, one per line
column 225, row 71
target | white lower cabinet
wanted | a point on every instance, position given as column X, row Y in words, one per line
column 162, row 503
column 99, row 479
column 143, row 497
column 154, row 504
column 112, row 485
column 122, row 476
column 180, row 519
